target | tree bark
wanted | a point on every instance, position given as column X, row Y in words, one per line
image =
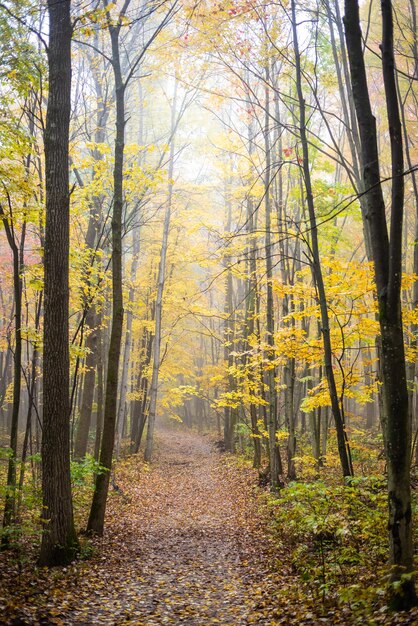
column 228, row 331
column 387, row 255
column 100, row 396
column 59, row 543
column 89, row 379
column 128, row 341
column 250, row 330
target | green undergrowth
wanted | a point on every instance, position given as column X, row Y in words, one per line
column 332, row 535
column 336, row 539
column 24, row 535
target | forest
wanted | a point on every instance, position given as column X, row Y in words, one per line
column 208, row 312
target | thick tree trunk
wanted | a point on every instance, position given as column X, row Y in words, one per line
column 387, row 257
column 349, row 113
column 59, row 542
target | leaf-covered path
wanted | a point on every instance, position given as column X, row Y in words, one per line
column 190, row 539
column 184, row 544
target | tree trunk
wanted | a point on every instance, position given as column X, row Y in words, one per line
column 59, row 543
column 31, row 401
column 229, row 425
column 289, row 392
column 387, row 255
column 250, row 313
column 100, row 397
column 91, row 316
column 4, row 381
column 98, row 508
column 412, row 366
column 274, row 450
column 140, row 404
column 82, row 435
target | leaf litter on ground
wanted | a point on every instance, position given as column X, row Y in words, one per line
column 187, row 542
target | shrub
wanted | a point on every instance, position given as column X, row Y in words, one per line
column 337, row 535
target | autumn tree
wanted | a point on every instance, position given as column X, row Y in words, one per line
column 387, row 257
column 121, row 81
column 337, row 410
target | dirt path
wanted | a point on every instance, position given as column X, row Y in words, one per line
column 190, row 565
column 183, row 546
column 186, row 544
column 192, row 556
